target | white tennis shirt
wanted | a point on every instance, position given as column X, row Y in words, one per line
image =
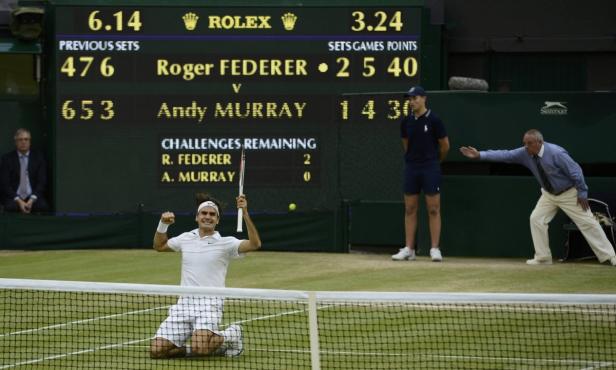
column 205, row 260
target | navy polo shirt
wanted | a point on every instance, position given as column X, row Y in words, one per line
column 423, row 133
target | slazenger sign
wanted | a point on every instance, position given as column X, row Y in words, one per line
column 558, row 108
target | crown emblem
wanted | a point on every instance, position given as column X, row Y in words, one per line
column 190, row 21
column 288, row 21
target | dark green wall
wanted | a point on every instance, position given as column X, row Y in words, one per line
column 484, row 216
column 25, row 113
column 314, row 231
column 371, row 152
column 499, row 120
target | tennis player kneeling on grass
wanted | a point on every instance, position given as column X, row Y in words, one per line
column 205, row 257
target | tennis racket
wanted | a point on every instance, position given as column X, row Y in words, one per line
column 240, row 217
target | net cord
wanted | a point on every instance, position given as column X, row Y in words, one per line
column 83, row 286
column 333, row 296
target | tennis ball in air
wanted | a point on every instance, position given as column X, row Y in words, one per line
column 292, row 207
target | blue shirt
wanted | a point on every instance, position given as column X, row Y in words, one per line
column 423, row 133
column 560, row 168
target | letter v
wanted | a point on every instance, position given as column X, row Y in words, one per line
column 236, row 87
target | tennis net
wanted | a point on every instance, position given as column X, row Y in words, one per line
column 80, row 325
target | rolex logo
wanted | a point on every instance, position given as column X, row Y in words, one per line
column 190, row 21
column 288, row 21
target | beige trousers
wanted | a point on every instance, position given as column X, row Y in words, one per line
column 546, row 209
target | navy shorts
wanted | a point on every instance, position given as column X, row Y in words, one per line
column 418, row 178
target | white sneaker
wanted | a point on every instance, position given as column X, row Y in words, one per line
column 234, row 341
column 535, row 261
column 436, row 255
column 613, row 261
column 405, row 254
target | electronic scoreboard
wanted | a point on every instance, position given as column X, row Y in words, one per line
column 153, row 103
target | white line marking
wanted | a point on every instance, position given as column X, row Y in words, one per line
column 81, row 321
column 600, row 365
column 55, row 357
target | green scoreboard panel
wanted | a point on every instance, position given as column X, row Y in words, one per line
column 153, row 103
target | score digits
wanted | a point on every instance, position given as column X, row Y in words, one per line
column 85, row 110
column 382, row 22
column 106, row 69
column 371, row 109
column 95, row 23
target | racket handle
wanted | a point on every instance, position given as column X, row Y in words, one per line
column 240, row 219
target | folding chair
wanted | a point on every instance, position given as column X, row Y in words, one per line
column 576, row 247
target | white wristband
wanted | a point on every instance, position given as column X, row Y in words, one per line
column 162, row 227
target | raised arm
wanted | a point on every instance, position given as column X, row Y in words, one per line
column 254, row 241
column 160, row 236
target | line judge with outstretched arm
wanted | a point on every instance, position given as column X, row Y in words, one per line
column 562, row 186
column 205, row 258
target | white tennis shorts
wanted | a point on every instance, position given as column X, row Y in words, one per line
column 190, row 314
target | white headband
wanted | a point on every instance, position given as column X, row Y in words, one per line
column 208, row 203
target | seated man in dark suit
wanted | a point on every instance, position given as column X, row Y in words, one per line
column 23, row 177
